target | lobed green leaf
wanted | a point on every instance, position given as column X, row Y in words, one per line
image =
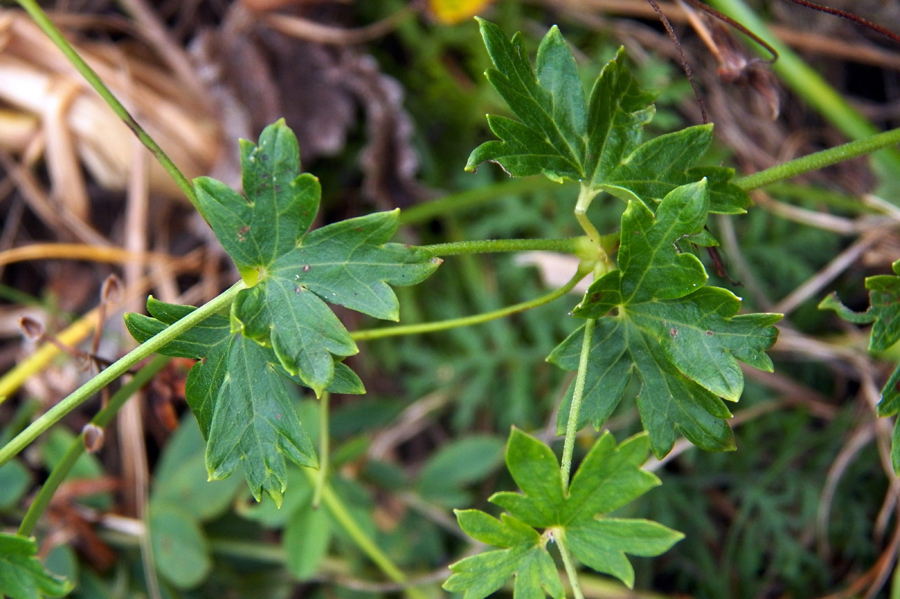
column 682, row 339
column 609, row 477
column 597, row 142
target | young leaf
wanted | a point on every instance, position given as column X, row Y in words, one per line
column 608, row 478
column 682, row 339
column 596, row 142
column 294, row 270
column 22, row 576
column 884, row 311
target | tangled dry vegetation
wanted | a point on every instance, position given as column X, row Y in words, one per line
column 80, row 200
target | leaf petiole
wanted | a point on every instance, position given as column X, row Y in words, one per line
column 565, row 467
column 559, row 537
column 569, row 245
column 819, row 160
column 443, row 325
column 363, row 541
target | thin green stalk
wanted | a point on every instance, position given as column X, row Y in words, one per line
column 559, row 535
column 42, row 21
column 809, row 85
column 569, row 245
column 585, row 196
column 577, row 397
column 103, row 417
column 819, row 160
column 324, row 449
column 340, row 513
column 115, row 370
column 466, row 200
column 443, row 325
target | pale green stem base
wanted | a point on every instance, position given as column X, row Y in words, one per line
column 324, row 449
column 340, row 513
column 559, row 535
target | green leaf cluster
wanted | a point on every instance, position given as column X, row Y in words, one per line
column 609, row 477
column 884, row 312
column 594, row 140
column 280, row 328
column 22, row 576
column 657, row 320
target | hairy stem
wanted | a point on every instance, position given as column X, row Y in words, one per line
column 442, row 325
column 565, row 466
column 569, row 245
column 819, row 160
column 559, row 535
column 340, row 513
column 51, row 31
column 115, row 370
column 103, row 417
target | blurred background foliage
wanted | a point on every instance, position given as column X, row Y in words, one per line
column 388, row 99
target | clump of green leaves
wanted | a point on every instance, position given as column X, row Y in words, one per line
column 650, row 315
column 884, row 312
column 281, row 328
column 608, row 478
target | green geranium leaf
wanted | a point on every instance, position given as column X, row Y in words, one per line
column 596, row 141
column 608, row 478
column 22, row 576
column 682, row 339
column 237, row 392
column 884, row 311
column 294, row 271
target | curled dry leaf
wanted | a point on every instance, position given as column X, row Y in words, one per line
column 50, row 111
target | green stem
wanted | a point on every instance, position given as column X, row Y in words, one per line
column 809, row 85
column 569, row 245
column 819, row 160
column 442, row 325
column 115, row 370
column 585, row 196
column 465, row 200
column 340, row 513
column 103, row 418
column 324, row 442
column 559, row 535
column 42, row 21
column 575, row 408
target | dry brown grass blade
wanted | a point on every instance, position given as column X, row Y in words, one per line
column 37, row 80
